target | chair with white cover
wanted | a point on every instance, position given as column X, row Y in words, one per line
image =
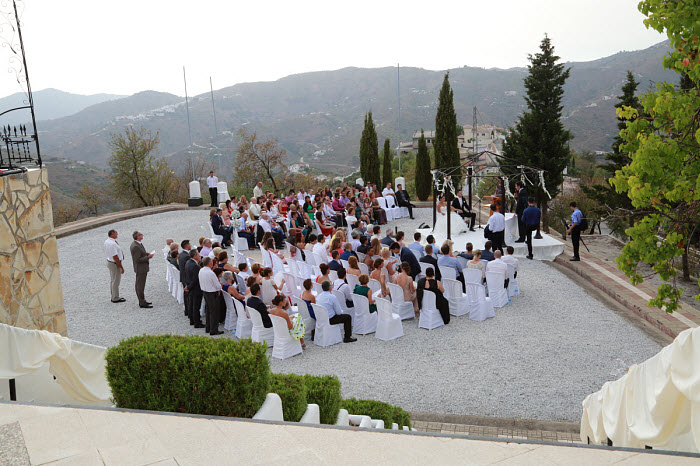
column 430, row 317
column 341, row 300
column 459, row 302
column 424, row 266
column 213, row 235
column 361, row 256
column 480, row 307
column 222, row 192
column 231, row 315
column 391, row 213
column 352, row 280
column 285, row 346
column 513, row 286
column 171, row 280
column 326, row 334
column 391, row 203
column 305, row 270
column 319, row 260
column 315, row 270
column 473, row 276
column 303, row 310
column 244, row 325
column 278, row 266
column 266, row 257
column 310, row 259
column 389, row 324
column 317, row 287
column 260, row 333
column 401, row 307
column 497, row 292
column 375, row 286
column 333, row 275
column 239, row 242
column 363, row 268
column 416, row 253
column 290, row 285
column 345, row 263
column 363, row 322
column 294, row 267
column 447, row 272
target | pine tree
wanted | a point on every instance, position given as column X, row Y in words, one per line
column 386, row 165
column 610, row 200
column 445, row 142
column 539, row 139
column 424, row 179
column 369, row 153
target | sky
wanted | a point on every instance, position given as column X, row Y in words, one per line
column 127, row 46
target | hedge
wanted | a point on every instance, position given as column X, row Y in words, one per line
column 325, row 392
column 378, row 410
column 292, row 389
column 189, row 374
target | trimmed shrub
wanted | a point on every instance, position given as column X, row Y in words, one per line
column 189, row 374
column 378, row 410
column 292, row 389
column 325, row 392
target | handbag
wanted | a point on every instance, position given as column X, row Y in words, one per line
column 487, row 232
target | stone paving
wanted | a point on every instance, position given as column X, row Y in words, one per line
column 496, row 432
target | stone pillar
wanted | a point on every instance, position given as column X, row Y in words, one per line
column 30, row 280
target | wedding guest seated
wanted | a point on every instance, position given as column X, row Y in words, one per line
column 429, row 258
column 325, row 269
column 270, row 226
column 405, row 281
column 341, row 285
column 363, row 244
column 308, row 297
column 468, row 254
column 206, row 248
column 363, row 290
column 477, row 263
column 379, row 274
column 246, row 231
column 497, row 264
column 430, row 239
column 486, row 254
column 335, row 263
column 295, row 323
column 348, row 253
column 335, row 312
column 431, row 284
column 320, row 247
column 229, row 286
column 388, row 240
column 353, row 266
column 416, row 246
column 255, row 272
column 256, row 303
column 510, row 259
column 449, row 260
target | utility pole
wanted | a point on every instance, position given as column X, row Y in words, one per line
column 187, row 106
column 398, row 98
column 216, row 129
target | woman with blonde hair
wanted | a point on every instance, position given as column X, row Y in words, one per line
column 389, row 264
column 353, row 266
column 477, row 263
column 336, row 243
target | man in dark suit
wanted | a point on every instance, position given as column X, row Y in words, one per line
column 182, row 265
column 388, row 240
column 256, row 303
column 140, row 259
column 217, row 224
column 486, row 254
column 403, row 200
column 192, row 290
column 335, row 264
column 363, row 245
column 459, row 205
column 348, row 252
column 520, row 206
column 406, row 255
column 429, row 259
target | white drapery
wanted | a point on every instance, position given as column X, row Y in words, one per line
column 78, row 367
column 656, row 404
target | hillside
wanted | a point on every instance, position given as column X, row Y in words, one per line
column 52, row 103
column 318, row 116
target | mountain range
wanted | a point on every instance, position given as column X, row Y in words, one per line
column 318, row 116
column 52, row 103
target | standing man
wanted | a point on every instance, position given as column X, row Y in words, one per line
column 140, row 259
column 531, row 220
column 575, row 229
column 520, row 206
column 405, row 255
column 211, row 287
column 115, row 256
column 192, row 289
column 213, row 183
column 182, row 266
column 257, row 190
column 497, row 227
column 464, row 210
column 403, row 200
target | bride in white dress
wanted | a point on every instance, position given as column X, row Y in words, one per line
column 457, row 224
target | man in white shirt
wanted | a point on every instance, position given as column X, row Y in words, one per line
column 300, row 197
column 335, row 312
column 271, row 227
column 246, row 231
column 115, row 256
column 388, row 191
column 319, row 247
column 355, row 235
column 497, row 264
column 510, row 259
column 341, row 285
column 213, row 183
column 254, row 209
column 497, row 228
column 211, row 287
column 257, row 190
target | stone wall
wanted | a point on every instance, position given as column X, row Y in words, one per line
column 30, row 280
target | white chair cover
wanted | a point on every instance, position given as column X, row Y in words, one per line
column 375, row 286
column 213, row 235
column 361, row 256
column 401, row 307
column 239, row 242
column 310, row 259
column 416, row 253
column 363, row 268
column 317, row 287
column 244, row 325
column 430, row 317
column 473, row 276
column 352, row 280
column 424, row 266
column 294, row 268
column 345, row 264
column 290, row 284
column 480, row 307
column 231, row 315
column 222, row 192
column 326, row 334
column 277, row 265
column 319, row 260
column 389, row 324
column 260, row 334
column 303, row 310
column 513, row 286
column 285, row 346
column 341, row 299
column 389, row 212
column 363, row 322
column 447, row 272
column 459, row 302
column 266, row 257
column 497, row 293
column 305, row 270
column 333, row 275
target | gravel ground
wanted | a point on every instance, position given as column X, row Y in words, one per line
column 538, row 359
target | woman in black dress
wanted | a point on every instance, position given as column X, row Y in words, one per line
column 429, row 283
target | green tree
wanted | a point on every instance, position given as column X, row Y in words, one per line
column 445, row 144
column 617, row 205
column 539, row 138
column 92, row 198
column 386, row 166
column 138, row 178
column 663, row 144
column 257, row 159
column 424, row 179
column 369, row 152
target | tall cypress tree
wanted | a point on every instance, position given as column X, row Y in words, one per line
column 539, row 138
column 605, row 194
column 445, row 142
column 372, row 160
column 363, row 151
column 386, row 165
column 424, row 179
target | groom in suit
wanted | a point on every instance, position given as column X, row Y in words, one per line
column 140, row 259
column 460, row 206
